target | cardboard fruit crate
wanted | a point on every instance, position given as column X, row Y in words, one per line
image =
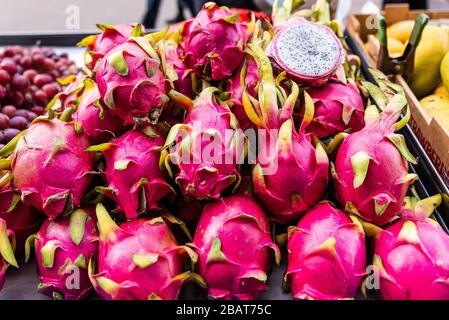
column 431, row 134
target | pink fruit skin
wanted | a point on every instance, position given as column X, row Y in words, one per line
column 279, row 65
column 332, row 102
column 198, row 176
column 21, row 219
column 54, row 239
column 50, row 166
column 386, row 179
column 293, row 177
column 111, row 37
column 98, row 124
column 326, row 255
column 183, row 84
column 236, row 91
column 413, row 265
column 132, row 163
column 140, row 90
column 213, row 42
column 234, row 246
column 139, row 260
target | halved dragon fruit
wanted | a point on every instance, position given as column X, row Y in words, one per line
column 111, row 36
column 21, row 219
column 7, row 244
column 50, row 166
column 131, row 81
column 326, row 255
column 139, row 260
column 309, row 52
column 214, row 42
column 208, row 147
column 63, row 249
column 290, row 175
column 412, row 255
column 371, row 174
column 234, row 246
column 134, row 180
column 338, row 107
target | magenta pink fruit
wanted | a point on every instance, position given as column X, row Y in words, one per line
column 208, row 146
column 112, row 36
column 315, row 60
column 21, row 219
column 7, row 257
column 214, row 42
column 134, row 180
column 51, row 167
column 291, row 174
column 139, row 260
column 326, row 255
column 234, row 246
column 412, row 255
column 338, row 107
column 93, row 118
column 179, row 73
column 63, row 249
column 235, row 89
column 371, row 170
column 131, row 81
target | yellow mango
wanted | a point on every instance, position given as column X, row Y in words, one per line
column 401, row 30
column 437, row 106
column 444, row 70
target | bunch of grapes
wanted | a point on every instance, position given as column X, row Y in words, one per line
column 28, row 81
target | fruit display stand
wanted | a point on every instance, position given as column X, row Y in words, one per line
column 432, row 136
column 22, row 283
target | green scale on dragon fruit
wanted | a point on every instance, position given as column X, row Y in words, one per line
column 63, row 248
column 7, row 258
column 139, row 260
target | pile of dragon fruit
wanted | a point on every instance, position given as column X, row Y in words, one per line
column 210, row 151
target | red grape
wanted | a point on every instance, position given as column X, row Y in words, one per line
column 39, row 110
column 9, row 110
column 9, row 65
column 4, row 77
column 19, row 82
column 18, row 122
column 4, row 121
column 42, row 79
column 3, row 92
column 10, row 133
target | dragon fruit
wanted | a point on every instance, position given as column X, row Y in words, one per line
column 63, row 249
column 412, row 255
column 371, row 171
column 139, row 260
column 50, row 166
column 92, row 118
column 7, row 244
column 214, row 42
column 134, row 180
column 326, row 255
column 21, row 219
column 290, row 175
column 234, row 247
column 338, row 107
column 131, row 81
column 205, row 167
column 315, row 60
column 111, row 36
